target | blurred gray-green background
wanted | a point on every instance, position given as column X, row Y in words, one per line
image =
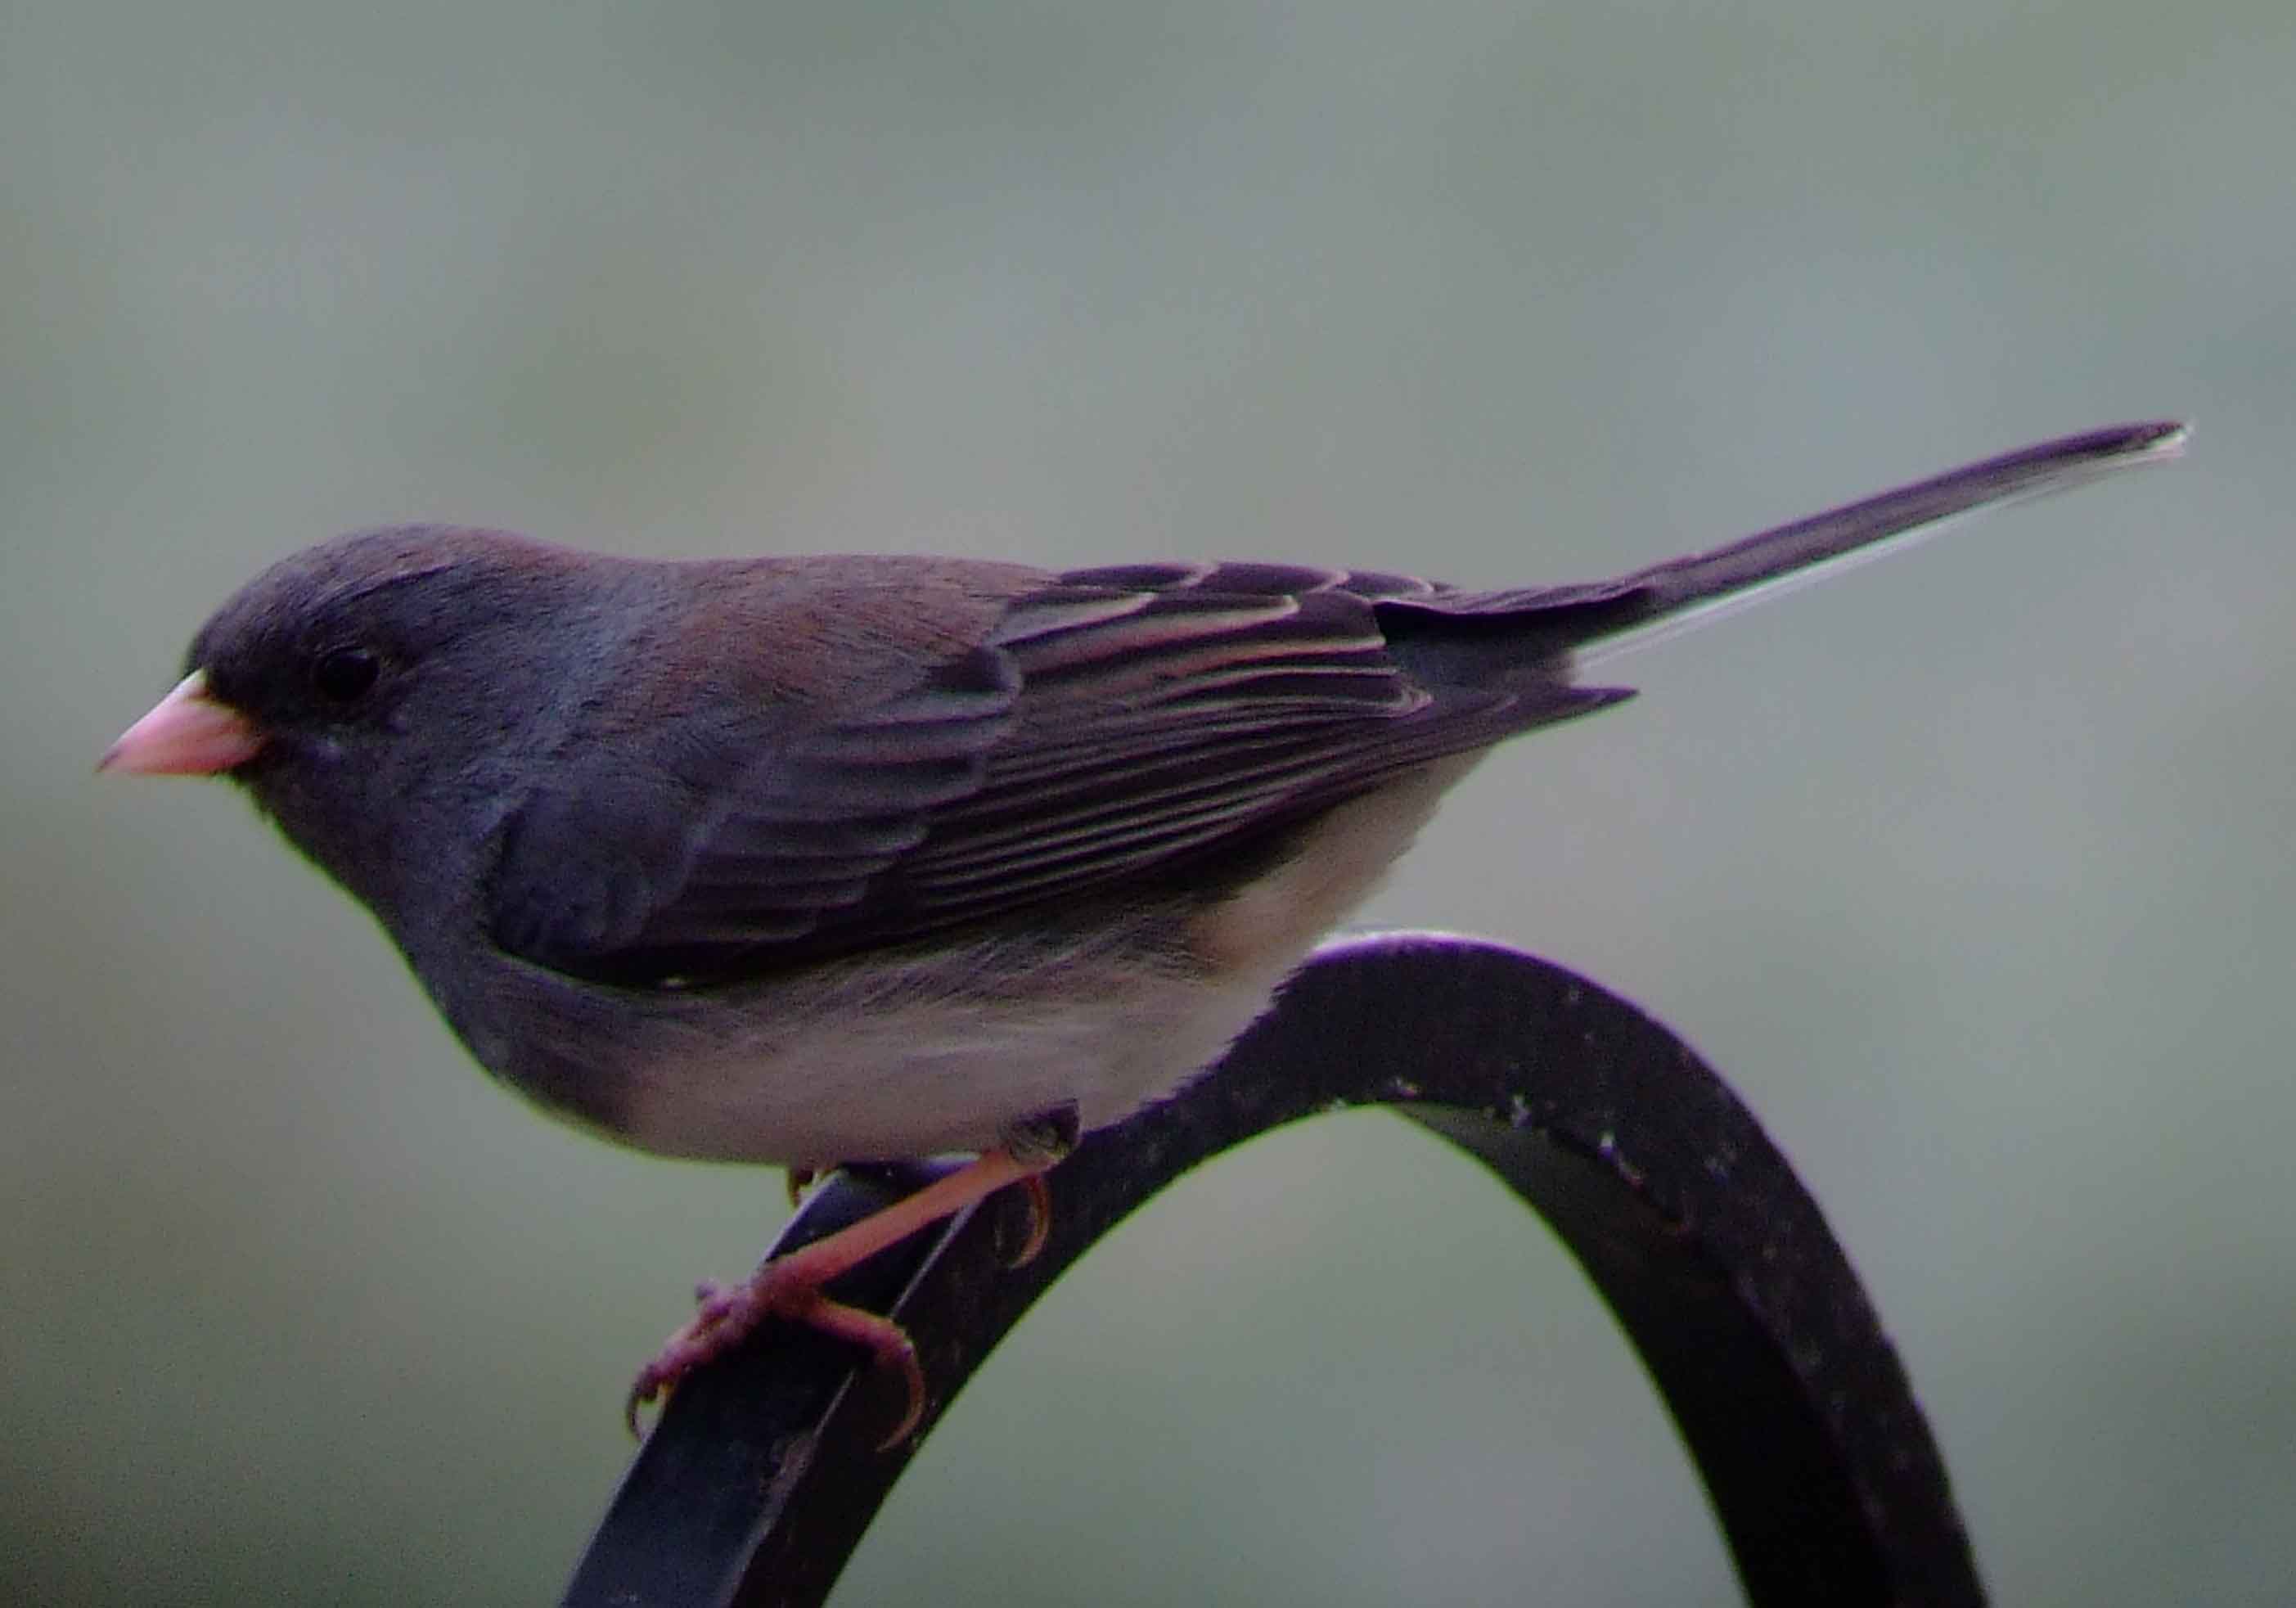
column 1973, row 870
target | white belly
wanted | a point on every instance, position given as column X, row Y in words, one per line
column 887, row 1058
column 925, row 1076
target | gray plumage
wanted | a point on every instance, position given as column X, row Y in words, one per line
column 817, row 859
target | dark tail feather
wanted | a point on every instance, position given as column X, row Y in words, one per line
column 1647, row 606
column 1811, row 547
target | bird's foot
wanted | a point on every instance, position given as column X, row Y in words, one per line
column 726, row 1316
column 1037, row 1142
column 1039, row 1197
column 790, row 1286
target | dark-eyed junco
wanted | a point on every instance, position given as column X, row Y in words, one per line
column 812, row 861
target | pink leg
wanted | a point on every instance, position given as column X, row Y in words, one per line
column 790, row 1286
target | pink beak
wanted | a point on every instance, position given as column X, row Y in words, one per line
column 187, row 733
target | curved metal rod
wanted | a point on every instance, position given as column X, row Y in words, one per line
column 763, row 1473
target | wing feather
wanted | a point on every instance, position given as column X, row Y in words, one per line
column 1116, row 723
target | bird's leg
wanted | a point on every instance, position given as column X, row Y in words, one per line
column 800, row 1179
column 790, row 1286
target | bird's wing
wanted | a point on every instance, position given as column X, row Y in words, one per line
column 1138, row 726
column 1118, row 724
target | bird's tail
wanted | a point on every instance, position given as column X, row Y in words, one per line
column 1683, row 593
column 1596, row 621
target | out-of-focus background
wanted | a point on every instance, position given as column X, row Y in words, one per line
column 1973, row 870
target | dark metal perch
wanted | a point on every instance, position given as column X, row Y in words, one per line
column 764, row 1471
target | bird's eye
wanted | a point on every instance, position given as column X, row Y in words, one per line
column 344, row 675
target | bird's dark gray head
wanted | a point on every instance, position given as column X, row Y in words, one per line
column 391, row 675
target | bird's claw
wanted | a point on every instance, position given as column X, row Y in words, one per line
column 727, row 1316
column 1039, row 1197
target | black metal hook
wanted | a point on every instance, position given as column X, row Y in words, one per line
column 763, row 1473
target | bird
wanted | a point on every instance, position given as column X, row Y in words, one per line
column 816, row 861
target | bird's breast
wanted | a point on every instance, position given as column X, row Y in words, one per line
column 921, row 1072
column 893, row 1054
